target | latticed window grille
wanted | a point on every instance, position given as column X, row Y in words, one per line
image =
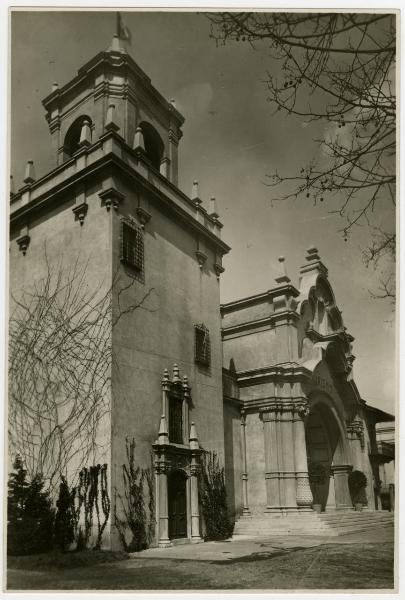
column 132, row 251
column 202, row 345
column 176, row 420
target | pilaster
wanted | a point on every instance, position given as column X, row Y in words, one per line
column 304, row 494
column 245, row 510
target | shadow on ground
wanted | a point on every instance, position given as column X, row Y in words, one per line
column 329, row 566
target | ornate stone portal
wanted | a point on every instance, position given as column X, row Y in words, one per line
column 177, row 456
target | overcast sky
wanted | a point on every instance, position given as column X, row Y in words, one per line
column 231, row 142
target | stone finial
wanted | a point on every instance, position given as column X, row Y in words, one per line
column 55, row 86
column 312, row 254
column 176, row 374
column 116, row 44
column 12, row 188
column 282, row 277
column 195, row 197
column 193, row 439
column 313, row 262
column 139, row 142
column 29, row 172
column 165, row 375
column 85, row 134
column 173, row 102
column 110, row 124
column 163, row 435
column 213, row 212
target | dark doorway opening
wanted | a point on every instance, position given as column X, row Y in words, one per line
column 177, row 505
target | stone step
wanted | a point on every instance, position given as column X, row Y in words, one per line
column 368, row 518
column 319, row 532
column 331, row 524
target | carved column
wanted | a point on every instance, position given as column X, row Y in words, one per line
column 161, row 470
column 342, row 494
column 288, row 466
column 271, row 459
column 245, row 510
column 194, row 471
column 195, row 512
column 355, row 431
column 304, row 494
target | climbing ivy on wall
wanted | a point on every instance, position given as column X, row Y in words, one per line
column 136, row 522
column 214, row 507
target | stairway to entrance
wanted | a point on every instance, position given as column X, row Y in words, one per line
column 310, row 523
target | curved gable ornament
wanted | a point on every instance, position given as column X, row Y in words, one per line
column 316, row 294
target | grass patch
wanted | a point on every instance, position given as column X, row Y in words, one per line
column 328, row 566
column 64, row 560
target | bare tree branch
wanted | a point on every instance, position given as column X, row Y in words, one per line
column 339, row 68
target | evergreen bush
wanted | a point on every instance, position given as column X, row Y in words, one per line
column 30, row 516
column 65, row 517
column 357, row 487
column 218, row 525
column 317, row 473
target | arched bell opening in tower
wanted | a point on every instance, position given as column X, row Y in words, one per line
column 154, row 146
column 79, row 134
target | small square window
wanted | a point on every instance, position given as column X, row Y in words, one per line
column 131, row 245
column 202, row 345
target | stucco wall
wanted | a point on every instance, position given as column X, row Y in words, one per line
column 57, row 238
column 255, row 463
column 233, row 458
column 152, row 338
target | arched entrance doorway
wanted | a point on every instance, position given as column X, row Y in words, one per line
column 319, row 456
column 327, row 456
column 177, row 500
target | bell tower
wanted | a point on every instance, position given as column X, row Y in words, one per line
column 112, row 204
column 111, row 92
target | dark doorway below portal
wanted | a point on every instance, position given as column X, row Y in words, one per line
column 177, row 505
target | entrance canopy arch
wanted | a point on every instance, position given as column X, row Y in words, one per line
column 327, row 452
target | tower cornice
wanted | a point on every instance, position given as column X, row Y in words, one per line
column 44, row 193
column 113, row 61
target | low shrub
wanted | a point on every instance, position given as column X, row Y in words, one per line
column 357, row 487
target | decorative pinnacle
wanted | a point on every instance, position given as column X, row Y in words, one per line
column 176, row 374
column 116, row 45
column 12, row 189
column 109, row 122
column 193, row 439
column 55, row 86
column 29, row 172
column 312, row 254
column 213, row 208
column 173, row 102
column 139, row 142
column 194, row 193
column 165, row 377
column 163, row 433
column 85, row 134
column 282, row 277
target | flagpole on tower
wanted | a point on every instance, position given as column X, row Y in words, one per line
column 117, row 23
